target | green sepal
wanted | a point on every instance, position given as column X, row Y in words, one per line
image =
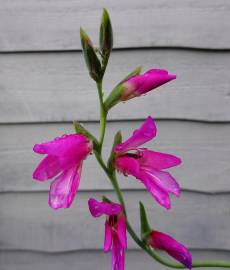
column 117, row 140
column 106, row 37
column 105, row 199
column 81, row 130
column 91, row 59
column 135, row 72
column 145, row 228
column 116, row 94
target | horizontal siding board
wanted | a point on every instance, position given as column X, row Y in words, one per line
column 204, row 149
column 46, row 25
column 27, row 223
column 40, row 87
column 85, row 260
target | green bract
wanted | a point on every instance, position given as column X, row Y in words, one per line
column 117, row 140
column 116, row 93
column 145, row 228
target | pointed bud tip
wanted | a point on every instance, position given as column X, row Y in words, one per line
column 85, row 37
column 142, row 208
column 82, row 32
column 105, row 12
column 105, row 18
column 139, row 69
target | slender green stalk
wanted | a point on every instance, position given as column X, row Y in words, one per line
column 112, row 176
column 103, row 115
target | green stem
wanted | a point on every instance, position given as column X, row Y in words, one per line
column 103, row 115
column 112, row 176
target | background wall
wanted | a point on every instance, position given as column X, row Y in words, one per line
column 44, row 85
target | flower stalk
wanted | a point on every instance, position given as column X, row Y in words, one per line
column 103, row 115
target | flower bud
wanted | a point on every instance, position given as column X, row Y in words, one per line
column 162, row 241
column 106, row 35
column 141, row 84
column 137, row 85
column 91, row 59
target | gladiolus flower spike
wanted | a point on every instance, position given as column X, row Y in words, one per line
column 147, row 165
column 64, row 160
column 115, row 230
column 64, row 157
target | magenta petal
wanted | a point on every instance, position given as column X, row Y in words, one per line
column 165, row 181
column 51, row 166
column 153, row 79
column 118, row 254
column 127, row 165
column 159, row 194
column 47, row 168
column 121, row 230
column 141, row 84
column 108, row 237
column 157, row 160
column 72, row 144
column 175, row 249
column 63, row 189
column 140, row 136
column 99, row 208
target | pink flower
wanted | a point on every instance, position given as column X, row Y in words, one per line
column 147, row 165
column 161, row 241
column 141, row 84
column 64, row 159
column 115, row 230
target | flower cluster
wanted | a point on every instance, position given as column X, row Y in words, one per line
column 65, row 156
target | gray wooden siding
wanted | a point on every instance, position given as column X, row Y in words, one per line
column 44, row 85
column 51, row 86
column 51, row 25
column 29, row 224
column 84, row 260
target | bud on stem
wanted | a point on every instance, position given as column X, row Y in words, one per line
column 106, row 38
column 91, row 59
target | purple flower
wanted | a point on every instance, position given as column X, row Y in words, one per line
column 141, row 84
column 115, row 230
column 162, row 241
column 147, row 165
column 64, row 160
